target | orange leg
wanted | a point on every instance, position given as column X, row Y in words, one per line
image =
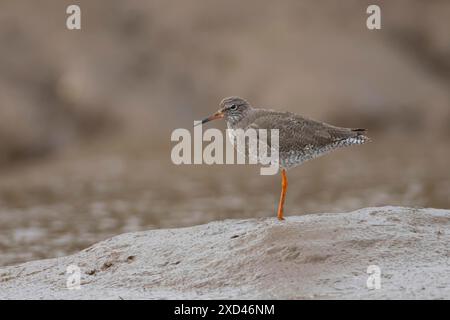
column 284, row 185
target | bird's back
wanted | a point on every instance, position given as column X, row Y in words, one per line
column 300, row 138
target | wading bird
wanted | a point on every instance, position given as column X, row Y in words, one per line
column 300, row 139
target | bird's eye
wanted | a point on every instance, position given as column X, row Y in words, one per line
column 233, row 107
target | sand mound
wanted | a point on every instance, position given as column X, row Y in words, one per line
column 305, row 257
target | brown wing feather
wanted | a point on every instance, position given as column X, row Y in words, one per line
column 297, row 132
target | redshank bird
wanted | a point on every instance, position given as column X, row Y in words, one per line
column 300, row 139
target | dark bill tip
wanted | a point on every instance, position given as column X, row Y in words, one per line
column 217, row 115
column 201, row 122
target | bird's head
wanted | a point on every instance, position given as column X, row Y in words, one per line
column 232, row 109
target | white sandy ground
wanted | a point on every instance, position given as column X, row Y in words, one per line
column 320, row 256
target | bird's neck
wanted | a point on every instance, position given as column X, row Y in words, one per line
column 231, row 125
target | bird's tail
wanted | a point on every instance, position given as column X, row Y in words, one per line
column 361, row 135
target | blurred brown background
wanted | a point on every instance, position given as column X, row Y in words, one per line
column 86, row 116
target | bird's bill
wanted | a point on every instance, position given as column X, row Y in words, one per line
column 217, row 115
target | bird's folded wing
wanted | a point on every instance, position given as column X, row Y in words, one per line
column 297, row 133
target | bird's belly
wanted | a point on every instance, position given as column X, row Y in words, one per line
column 295, row 158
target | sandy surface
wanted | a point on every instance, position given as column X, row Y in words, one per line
column 315, row 256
